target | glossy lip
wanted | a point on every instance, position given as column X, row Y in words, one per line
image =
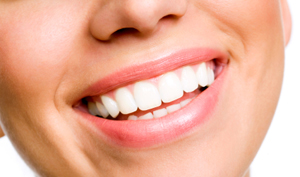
column 148, row 133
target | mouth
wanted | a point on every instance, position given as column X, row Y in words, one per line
column 155, row 97
column 179, row 95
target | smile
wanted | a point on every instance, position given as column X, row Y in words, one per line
column 155, row 97
column 154, row 103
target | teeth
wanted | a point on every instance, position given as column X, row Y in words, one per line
column 170, row 87
column 211, row 76
column 146, row 95
column 185, row 102
column 188, row 79
column 160, row 113
column 173, row 108
column 102, row 110
column 146, row 116
column 110, row 105
column 125, row 101
column 132, row 117
column 150, row 94
column 202, row 75
column 93, row 109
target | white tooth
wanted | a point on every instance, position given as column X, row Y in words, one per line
column 188, row 79
column 173, row 108
column 93, row 109
column 125, row 101
column 132, row 117
column 211, row 76
column 146, row 95
column 185, row 102
column 110, row 105
column 146, row 116
column 202, row 75
column 170, row 87
column 160, row 113
column 102, row 110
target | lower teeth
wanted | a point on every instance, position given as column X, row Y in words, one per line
column 157, row 113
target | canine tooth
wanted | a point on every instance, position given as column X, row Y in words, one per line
column 211, row 76
column 93, row 109
column 169, row 87
column 188, row 79
column 146, row 95
column 160, row 113
column 132, row 117
column 125, row 101
column 185, row 102
column 173, row 108
column 146, row 116
column 110, row 105
column 202, row 75
column 103, row 112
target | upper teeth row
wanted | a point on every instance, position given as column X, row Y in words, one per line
column 147, row 95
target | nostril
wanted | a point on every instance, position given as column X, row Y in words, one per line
column 125, row 31
column 170, row 17
column 139, row 31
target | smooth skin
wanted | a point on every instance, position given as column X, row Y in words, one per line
column 52, row 50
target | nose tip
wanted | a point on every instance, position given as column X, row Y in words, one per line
column 142, row 16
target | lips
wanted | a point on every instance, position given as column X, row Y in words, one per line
column 145, row 109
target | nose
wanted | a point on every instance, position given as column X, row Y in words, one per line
column 142, row 16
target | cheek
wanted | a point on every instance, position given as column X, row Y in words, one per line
column 252, row 19
column 35, row 49
column 256, row 28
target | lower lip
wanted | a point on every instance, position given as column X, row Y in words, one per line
column 154, row 132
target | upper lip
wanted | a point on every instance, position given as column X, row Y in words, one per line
column 153, row 68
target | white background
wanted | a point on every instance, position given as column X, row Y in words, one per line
column 279, row 155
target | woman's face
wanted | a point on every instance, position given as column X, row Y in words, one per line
column 61, row 60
